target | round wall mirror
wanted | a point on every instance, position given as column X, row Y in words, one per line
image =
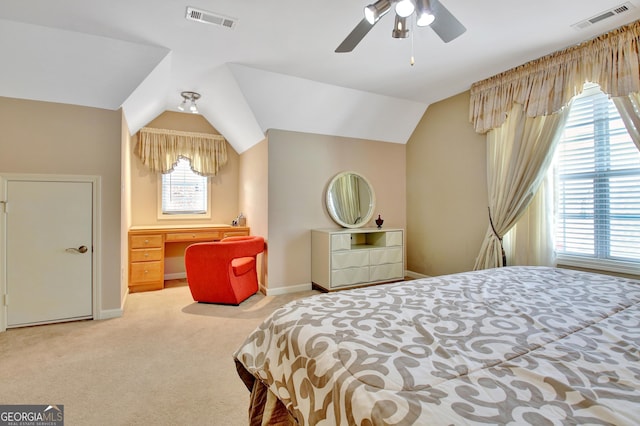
column 350, row 200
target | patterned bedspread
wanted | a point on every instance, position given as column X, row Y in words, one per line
column 516, row 345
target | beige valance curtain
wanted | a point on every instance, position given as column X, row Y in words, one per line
column 547, row 84
column 160, row 150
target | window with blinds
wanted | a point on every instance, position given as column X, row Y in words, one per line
column 597, row 184
column 183, row 191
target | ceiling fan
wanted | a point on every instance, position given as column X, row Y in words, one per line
column 427, row 13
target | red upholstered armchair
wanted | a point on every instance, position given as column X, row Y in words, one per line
column 223, row 271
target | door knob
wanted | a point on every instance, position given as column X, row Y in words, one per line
column 81, row 249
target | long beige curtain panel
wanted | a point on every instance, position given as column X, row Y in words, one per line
column 160, row 149
column 629, row 109
column 547, row 84
column 518, row 154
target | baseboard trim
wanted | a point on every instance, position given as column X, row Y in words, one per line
column 306, row 287
column 110, row 313
column 415, row 275
column 288, row 290
column 175, row 276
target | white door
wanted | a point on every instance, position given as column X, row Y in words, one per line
column 48, row 251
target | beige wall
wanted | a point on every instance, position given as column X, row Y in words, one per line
column 125, row 203
column 144, row 188
column 300, row 167
column 144, row 183
column 254, row 197
column 50, row 138
column 434, row 187
column 446, row 190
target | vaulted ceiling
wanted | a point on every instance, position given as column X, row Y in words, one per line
column 276, row 67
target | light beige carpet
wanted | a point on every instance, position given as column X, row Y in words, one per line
column 166, row 361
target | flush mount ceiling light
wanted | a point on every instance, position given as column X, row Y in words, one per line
column 190, row 98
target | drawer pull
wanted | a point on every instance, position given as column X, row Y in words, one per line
column 146, row 241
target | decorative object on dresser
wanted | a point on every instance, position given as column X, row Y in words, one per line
column 223, row 271
column 350, row 200
column 147, row 244
column 379, row 222
column 346, row 258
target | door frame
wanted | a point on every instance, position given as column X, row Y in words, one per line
column 96, row 273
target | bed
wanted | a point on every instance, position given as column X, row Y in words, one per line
column 514, row 345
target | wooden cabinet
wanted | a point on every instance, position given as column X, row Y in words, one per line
column 146, row 266
column 347, row 258
column 147, row 244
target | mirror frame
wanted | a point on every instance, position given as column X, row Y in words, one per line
column 372, row 201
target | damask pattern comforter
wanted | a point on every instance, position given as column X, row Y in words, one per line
column 513, row 346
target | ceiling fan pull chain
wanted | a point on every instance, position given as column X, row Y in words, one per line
column 413, row 30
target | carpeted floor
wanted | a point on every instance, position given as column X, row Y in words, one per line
column 167, row 361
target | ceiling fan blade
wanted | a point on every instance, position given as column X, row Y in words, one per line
column 445, row 25
column 355, row 37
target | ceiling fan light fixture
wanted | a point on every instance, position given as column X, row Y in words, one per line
column 424, row 14
column 400, row 29
column 377, row 10
column 430, row 13
column 405, row 8
column 191, row 98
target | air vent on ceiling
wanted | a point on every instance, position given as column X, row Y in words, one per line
column 623, row 8
column 206, row 17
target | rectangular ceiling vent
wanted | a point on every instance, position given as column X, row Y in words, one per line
column 623, row 8
column 206, row 17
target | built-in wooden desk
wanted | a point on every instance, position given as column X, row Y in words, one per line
column 147, row 244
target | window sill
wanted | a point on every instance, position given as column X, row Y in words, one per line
column 629, row 268
column 183, row 216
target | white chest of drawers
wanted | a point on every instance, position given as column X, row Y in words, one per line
column 344, row 258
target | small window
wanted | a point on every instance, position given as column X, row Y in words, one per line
column 184, row 193
column 597, row 184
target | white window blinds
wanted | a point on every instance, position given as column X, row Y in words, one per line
column 183, row 191
column 597, row 183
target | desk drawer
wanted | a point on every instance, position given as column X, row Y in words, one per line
column 236, row 234
column 142, row 241
column 194, row 236
column 145, row 255
column 146, row 271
